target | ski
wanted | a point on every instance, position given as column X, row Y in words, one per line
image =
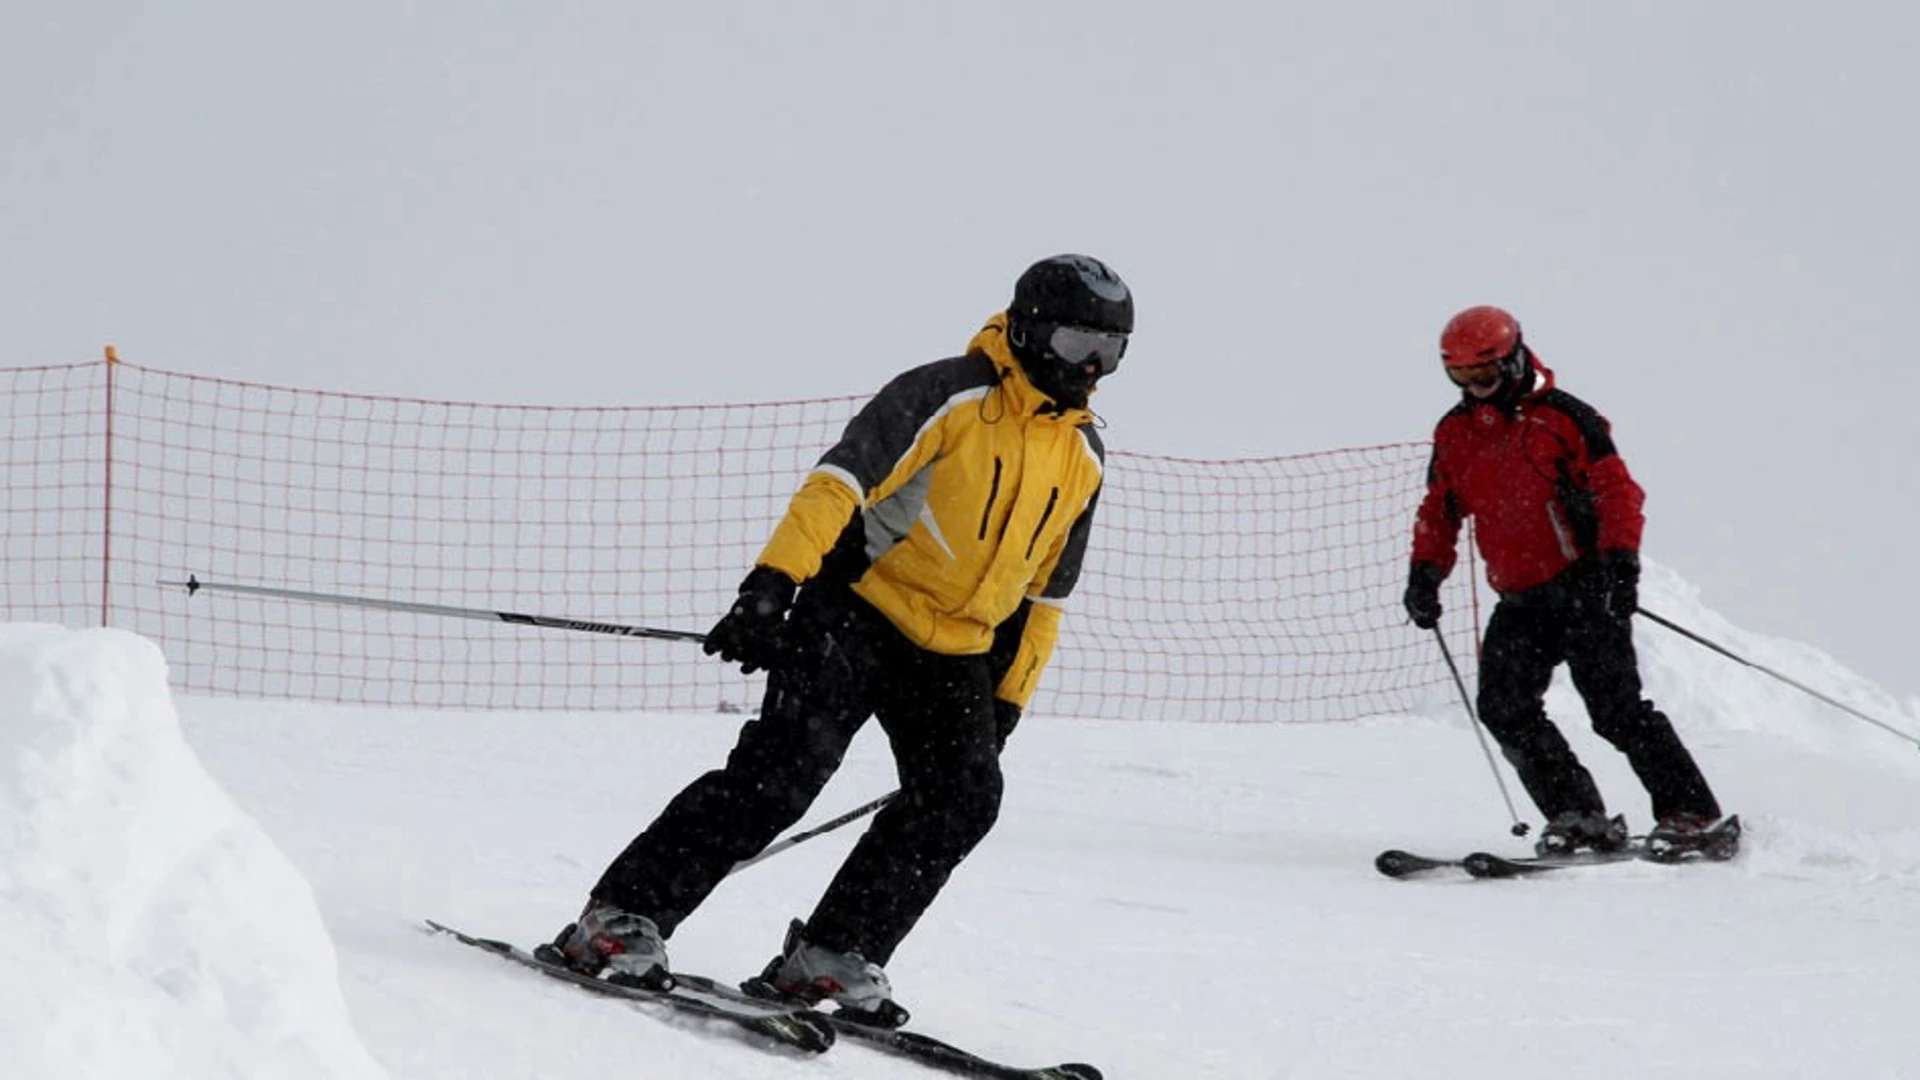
column 789, row 1028
column 1717, row 843
column 1485, row 864
column 901, row 1042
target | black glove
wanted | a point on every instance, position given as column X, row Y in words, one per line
column 752, row 632
column 1423, row 595
column 1620, row 575
column 1006, row 716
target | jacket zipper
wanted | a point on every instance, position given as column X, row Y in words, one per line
column 993, row 492
column 1052, row 497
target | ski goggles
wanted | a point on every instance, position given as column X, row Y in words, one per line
column 1481, row 375
column 1080, row 345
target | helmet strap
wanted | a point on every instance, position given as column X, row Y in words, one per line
column 1516, row 364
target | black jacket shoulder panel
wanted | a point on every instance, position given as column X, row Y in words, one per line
column 1066, row 573
column 1594, row 429
column 884, row 429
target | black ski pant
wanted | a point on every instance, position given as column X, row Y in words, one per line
column 1527, row 637
column 847, row 662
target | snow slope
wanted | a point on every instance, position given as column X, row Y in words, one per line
column 1164, row 900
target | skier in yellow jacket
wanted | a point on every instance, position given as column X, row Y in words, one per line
column 917, row 578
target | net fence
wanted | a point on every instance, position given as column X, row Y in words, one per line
column 1249, row 590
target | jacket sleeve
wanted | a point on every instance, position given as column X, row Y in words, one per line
column 892, row 437
column 1618, row 501
column 1024, row 643
column 1040, row 631
column 1436, row 524
column 815, row 517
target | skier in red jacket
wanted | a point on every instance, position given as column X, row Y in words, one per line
column 1557, row 518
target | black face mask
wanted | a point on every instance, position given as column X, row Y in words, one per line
column 1068, row 384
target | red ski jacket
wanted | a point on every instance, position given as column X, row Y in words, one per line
column 1541, row 479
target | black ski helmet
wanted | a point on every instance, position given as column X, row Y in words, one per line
column 1076, row 291
column 1073, row 290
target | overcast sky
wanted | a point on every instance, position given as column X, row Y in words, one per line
column 1703, row 214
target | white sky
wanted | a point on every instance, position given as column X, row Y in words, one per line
column 1703, row 213
column 229, row 890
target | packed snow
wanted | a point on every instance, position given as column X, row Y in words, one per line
column 226, row 888
column 150, row 928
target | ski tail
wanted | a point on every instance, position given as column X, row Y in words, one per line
column 905, row 1043
column 786, row 1028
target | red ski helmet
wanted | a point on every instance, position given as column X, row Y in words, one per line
column 1479, row 335
column 1483, row 346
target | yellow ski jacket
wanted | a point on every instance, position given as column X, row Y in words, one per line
column 972, row 492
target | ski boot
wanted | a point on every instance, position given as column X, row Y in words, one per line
column 1679, row 835
column 1573, row 831
column 814, row 973
column 613, row 944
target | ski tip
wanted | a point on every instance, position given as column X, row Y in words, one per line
column 1395, row 863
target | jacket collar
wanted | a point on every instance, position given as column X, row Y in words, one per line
column 1022, row 397
column 1542, row 376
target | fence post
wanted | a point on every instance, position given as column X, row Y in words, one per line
column 106, row 496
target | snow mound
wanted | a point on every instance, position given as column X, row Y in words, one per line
column 1705, row 691
column 148, row 927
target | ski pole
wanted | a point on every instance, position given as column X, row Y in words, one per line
column 194, row 584
column 1735, row 657
column 1519, row 828
column 779, row 846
